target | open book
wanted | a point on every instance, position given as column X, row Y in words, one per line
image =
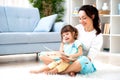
column 55, row 54
column 68, row 57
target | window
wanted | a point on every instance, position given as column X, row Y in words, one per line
column 15, row 3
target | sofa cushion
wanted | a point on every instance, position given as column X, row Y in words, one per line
column 3, row 20
column 29, row 37
column 22, row 19
column 58, row 26
column 45, row 24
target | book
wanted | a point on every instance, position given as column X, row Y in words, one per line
column 104, row 32
column 102, row 27
column 68, row 57
column 106, row 28
column 55, row 54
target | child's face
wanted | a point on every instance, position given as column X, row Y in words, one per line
column 68, row 37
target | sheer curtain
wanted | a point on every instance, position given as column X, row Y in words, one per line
column 15, row 3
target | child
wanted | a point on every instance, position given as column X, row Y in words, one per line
column 70, row 50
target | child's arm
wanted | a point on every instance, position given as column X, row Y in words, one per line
column 72, row 57
column 79, row 53
column 61, row 47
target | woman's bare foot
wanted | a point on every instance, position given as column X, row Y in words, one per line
column 72, row 74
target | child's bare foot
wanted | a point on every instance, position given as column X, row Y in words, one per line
column 72, row 74
column 53, row 71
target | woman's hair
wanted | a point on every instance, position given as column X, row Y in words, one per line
column 69, row 28
column 90, row 11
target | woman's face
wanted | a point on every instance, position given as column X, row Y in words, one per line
column 67, row 37
column 85, row 20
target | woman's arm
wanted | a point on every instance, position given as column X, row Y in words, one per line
column 95, row 46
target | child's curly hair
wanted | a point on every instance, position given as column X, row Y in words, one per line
column 69, row 28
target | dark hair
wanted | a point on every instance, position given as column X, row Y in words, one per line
column 90, row 11
column 69, row 28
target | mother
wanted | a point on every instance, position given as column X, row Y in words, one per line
column 91, row 38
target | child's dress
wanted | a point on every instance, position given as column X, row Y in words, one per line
column 68, row 49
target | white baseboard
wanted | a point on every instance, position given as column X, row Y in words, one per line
column 17, row 58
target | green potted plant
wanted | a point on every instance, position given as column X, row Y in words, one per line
column 49, row 7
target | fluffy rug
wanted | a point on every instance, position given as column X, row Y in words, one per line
column 17, row 72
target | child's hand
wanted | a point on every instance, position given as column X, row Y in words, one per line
column 63, row 54
column 65, row 58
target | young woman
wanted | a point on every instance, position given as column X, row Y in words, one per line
column 71, row 50
column 91, row 38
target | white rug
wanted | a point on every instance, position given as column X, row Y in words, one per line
column 17, row 72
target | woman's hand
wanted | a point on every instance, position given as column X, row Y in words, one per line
column 89, row 58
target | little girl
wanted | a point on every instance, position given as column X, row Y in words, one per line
column 70, row 50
